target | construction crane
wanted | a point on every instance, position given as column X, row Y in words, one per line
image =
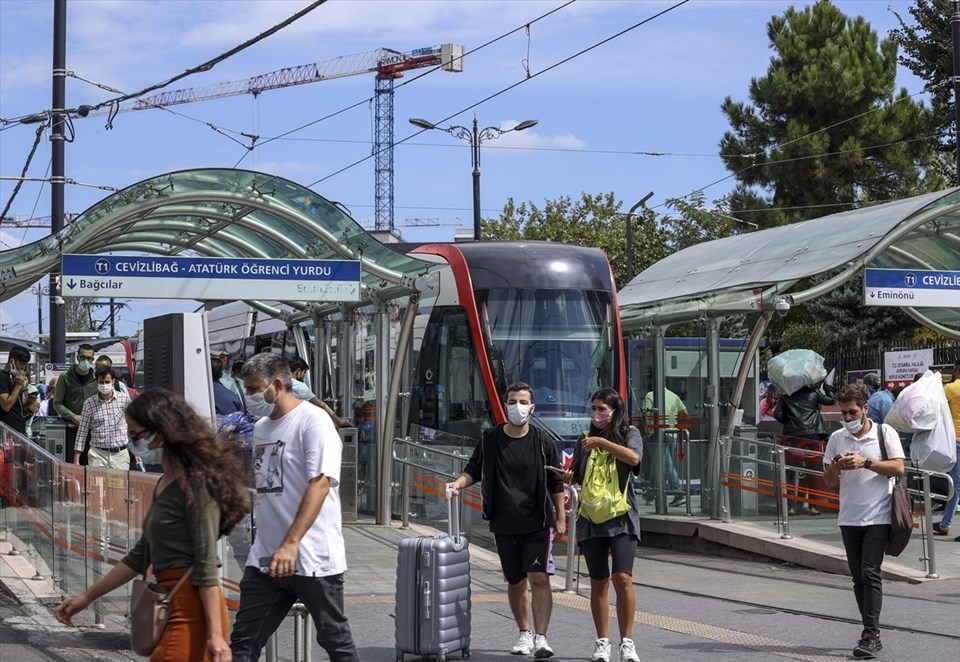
column 387, row 64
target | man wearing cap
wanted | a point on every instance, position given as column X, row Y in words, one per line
column 73, row 388
column 880, row 401
column 871, row 384
column 31, row 403
column 13, row 382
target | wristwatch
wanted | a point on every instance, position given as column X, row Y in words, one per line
column 867, row 463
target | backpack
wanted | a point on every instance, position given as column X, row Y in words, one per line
column 601, row 498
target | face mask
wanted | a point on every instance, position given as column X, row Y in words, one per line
column 853, row 427
column 601, row 419
column 84, row 366
column 106, row 389
column 519, row 414
column 258, row 405
column 13, row 371
column 141, row 448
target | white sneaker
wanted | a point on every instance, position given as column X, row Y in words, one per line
column 541, row 648
column 602, row 651
column 524, row 645
column 628, row 652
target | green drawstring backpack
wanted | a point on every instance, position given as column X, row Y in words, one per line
column 601, row 498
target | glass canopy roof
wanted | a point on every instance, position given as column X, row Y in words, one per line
column 220, row 213
column 744, row 273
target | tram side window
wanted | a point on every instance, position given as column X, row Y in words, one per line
column 450, row 392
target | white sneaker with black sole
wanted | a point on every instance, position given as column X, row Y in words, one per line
column 524, row 645
column 541, row 649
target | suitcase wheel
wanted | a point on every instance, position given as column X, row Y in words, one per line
column 465, row 654
column 399, row 657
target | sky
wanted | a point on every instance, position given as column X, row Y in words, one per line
column 640, row 88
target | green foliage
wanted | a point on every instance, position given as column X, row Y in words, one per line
column 593, row 220
column 825, row 129
column 76, row 312
column 927, row 51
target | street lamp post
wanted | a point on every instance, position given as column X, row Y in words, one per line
column 474, row 137
column 630, row 215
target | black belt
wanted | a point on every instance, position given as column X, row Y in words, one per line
column 111, row 450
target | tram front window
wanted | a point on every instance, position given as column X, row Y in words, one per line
column 561, row 342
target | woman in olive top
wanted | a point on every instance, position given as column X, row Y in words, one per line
column 201, row 496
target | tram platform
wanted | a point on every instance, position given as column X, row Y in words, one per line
column 677, row 607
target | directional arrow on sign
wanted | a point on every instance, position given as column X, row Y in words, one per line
column 71, row 284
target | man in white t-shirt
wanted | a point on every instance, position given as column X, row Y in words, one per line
column 298, row 552
column 854, row 462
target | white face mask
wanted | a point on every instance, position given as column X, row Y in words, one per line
column 258, row 405
column 141, row 448
column 519, row 414
column 105, row 389
column 853, row 427
column 84, row 366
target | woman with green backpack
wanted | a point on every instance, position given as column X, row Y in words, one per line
column 608, row 526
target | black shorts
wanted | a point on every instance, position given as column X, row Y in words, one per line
column 523, row 553
column 596, row 551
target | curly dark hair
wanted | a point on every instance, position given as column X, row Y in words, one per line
column 618, row 427
column 195, row 452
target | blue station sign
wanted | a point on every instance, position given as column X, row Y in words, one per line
column 911, row 287
column 208, row 278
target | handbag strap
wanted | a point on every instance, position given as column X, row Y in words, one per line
column 176, row 588
column 883, row 444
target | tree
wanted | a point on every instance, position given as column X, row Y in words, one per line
column 825, row 129
column 76, row 312
column 928, row 53
column 594, row 220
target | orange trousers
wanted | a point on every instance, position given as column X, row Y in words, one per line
column 185, row 637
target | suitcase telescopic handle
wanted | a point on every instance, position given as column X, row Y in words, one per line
column 453, row 514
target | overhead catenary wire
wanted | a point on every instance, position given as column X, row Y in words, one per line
column 26, row 166
column 426, row 72
column 926, row 89
column 200, row 68
column 517, row 84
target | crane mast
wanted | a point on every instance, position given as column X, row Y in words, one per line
column 387, row 64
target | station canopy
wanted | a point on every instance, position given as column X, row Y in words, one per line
column 746, row 273
column 222, row 213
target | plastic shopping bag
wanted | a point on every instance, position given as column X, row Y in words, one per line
column 917, row 408
column 936, row 449
column 796, row 368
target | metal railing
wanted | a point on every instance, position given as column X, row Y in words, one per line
column 74, row 523
column 918, row 483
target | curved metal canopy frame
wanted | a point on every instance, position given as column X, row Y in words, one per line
column 745, row 273
column 222, row 213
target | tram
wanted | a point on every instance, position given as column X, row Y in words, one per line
column 540, row 312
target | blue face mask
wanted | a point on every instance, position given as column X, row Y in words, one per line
column 84, row 366
column 258, row 405
column 141, row 448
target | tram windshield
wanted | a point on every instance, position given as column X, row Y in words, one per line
column 561, row 342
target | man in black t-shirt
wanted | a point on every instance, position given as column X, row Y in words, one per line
column 523, row 500
column 13, row 383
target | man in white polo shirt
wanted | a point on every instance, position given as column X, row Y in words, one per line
column 854, row 462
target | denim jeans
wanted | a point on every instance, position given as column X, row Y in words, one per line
column 865, row 546
column 265, row 601
column 951, row 506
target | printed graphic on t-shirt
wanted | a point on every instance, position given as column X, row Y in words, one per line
column 268, row 467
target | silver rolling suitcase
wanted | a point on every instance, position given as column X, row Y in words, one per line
column 433, row 593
